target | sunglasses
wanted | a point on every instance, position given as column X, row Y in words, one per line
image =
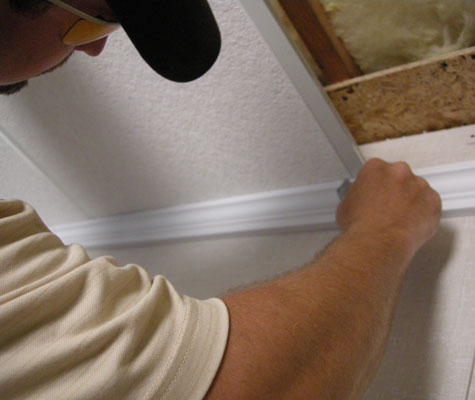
column 87, row 29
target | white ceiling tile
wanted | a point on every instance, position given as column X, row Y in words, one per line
column 120, row 138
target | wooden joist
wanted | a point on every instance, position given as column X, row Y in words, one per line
column 326, row 49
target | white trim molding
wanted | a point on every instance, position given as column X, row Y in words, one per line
column 456, row 185
column 306, row 208
column 301, row 208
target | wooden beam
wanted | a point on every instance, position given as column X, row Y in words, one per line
column 328, row 51
column 346, row 58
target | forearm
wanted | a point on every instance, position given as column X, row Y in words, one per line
column 355, row 284
column 319, row 332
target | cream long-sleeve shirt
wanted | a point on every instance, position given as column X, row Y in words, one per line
column 76, row 328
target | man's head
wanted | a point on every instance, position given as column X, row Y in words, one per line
column 31, row 39
column 179, row 39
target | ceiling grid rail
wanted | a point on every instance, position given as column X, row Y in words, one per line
column 306, row 85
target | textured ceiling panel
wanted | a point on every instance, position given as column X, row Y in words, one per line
column 119, row 138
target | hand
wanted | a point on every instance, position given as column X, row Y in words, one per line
column 388, row 199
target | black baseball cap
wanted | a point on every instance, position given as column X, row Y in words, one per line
column 179, row 39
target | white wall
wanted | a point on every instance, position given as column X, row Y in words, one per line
column 209, row 268
column 428, row 149
column 432, row 343
column 21, row 179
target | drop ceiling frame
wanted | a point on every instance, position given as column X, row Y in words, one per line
column 307, row 85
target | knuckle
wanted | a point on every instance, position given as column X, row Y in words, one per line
column 423, row 183
column 433, row 200
column 422, row 180
column 372, row 168
column 402, row 168
column 374, row 163
column 437, row 201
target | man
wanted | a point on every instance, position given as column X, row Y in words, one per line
column 72, row 327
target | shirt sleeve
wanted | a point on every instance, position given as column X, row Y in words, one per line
column 72, row 327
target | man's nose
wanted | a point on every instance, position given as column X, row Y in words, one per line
column 93, row 49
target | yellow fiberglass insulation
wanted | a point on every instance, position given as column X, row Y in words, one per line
column 384, row 33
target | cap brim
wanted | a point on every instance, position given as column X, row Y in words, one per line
column 179, row 39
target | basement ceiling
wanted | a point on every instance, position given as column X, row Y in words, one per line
column 107, row 135
column 341, row 40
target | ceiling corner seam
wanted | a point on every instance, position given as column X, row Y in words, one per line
column 33, row 164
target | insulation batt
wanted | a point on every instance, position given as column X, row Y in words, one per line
column 384, row 33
